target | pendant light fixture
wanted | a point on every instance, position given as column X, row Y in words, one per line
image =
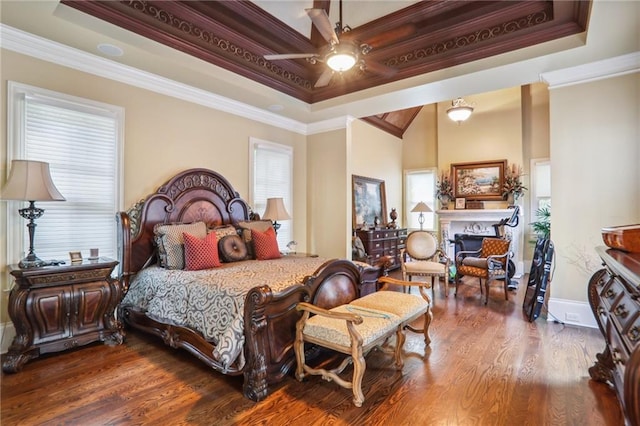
column 459, row 110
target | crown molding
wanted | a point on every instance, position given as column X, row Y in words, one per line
column 40, row 48
column 337, row 123
column 599, row 70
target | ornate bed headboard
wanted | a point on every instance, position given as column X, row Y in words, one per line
column 192, row 195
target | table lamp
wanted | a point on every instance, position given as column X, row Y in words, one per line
column 276, row 211
column 422, row 208
column 30, row 181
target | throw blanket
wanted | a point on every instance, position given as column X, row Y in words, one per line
column 212, row 301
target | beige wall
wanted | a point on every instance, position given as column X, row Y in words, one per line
column 493, row 132
column 378, row 154
column 595, row 152
column 329, row 194
column 163, row 135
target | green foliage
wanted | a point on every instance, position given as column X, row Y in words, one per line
column 542, row 227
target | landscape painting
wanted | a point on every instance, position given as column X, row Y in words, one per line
column 478, row 181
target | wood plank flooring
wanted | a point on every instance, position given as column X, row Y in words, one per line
column 486, row 366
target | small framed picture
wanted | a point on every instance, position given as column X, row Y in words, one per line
column 75, row 256
column 461, row 203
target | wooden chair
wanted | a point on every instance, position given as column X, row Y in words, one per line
column 488, row 263
column 423, row 258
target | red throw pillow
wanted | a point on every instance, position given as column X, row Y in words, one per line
column 200, row 253
column 265, row 244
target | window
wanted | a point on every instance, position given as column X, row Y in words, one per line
column 420, row 186
column 80, row 139
column 540, row 184
column 271, row 176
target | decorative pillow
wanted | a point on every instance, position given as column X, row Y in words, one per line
column 265, row 244
column 201, row 253
column 170, row 242
column 247, row 226
column 232, row 248
column 223, row 231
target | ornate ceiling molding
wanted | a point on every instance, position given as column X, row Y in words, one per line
column 421, row 38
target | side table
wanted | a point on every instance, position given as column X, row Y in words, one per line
column 55, row 308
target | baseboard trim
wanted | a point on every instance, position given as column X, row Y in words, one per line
column 571, row 312
column 7, row 333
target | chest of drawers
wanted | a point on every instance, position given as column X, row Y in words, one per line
column 383, row 242
column 614, row 296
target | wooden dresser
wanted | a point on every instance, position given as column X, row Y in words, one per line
column 614, row 296
column 383, row 242
column 55, row 308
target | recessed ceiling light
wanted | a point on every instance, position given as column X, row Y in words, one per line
column 110, row 49
column 275, row 107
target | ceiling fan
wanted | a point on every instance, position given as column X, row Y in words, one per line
column 339, row 55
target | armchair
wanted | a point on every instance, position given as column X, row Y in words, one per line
column 488, row 263
column 422, row 258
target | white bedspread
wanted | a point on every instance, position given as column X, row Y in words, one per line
column 212, row 301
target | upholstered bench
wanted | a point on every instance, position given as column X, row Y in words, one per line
column 356, row 328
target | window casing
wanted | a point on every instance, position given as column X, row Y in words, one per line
column 271, row 167
column 420, row 185
column 81, row 140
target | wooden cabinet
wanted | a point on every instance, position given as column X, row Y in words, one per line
column 614, row 296
column 61, row 307
column 383, row 242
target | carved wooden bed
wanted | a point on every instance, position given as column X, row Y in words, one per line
column 269, row 317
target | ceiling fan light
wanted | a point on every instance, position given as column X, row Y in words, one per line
column 340, row 61
column 459, row 110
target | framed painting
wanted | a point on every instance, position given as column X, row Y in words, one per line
column 369, row 202
column 478, row 181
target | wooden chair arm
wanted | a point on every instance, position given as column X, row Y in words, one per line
column 308, row 307
column 386, row 280
column 464, row 253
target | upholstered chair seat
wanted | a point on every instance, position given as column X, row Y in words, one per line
column 423, row 258
column 488, row 263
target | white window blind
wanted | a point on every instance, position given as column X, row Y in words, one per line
column 272, row 167
column 420, row 186
column 80, row 140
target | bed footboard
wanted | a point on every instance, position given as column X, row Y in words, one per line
column 270, row 320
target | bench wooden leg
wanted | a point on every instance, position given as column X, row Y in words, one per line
column 359, row 366
column 298, row 348
column 428, row 317
column 400, row 338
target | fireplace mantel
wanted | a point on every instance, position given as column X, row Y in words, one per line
column 479, row 222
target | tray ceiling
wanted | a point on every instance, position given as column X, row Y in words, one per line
column 420, row 38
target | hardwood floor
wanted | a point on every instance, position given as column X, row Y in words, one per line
column 486, row 366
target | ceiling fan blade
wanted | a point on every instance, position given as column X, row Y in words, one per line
column 323, row 24
column 378, row 68
column 289, row 56
column 324, row 79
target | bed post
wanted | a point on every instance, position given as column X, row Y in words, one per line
column 255, row 325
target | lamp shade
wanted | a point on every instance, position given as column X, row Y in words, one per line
column 275, row 210
column 421, row 207
column 30, row 181
column 459, row 110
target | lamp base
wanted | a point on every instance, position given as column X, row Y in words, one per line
column 32, row 261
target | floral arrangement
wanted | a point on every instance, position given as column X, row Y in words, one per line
column 513, row 182
column 444, row 188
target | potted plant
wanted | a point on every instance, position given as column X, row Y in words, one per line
column 444, row 190
column 513, row 187
column 542, row 227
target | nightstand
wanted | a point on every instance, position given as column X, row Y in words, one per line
column 55, row 308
